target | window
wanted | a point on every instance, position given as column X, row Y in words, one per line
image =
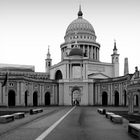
column 11, row 84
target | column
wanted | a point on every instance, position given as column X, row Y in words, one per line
column 5, row 95
column 21, row 95
column 95, row 53
column 98, row 94
column 98, row 54
column 131, row 100
column 83, row 72
column 88, row 55
column 55, row 94
column 91, row 52
column 31, row 94
column 67, row 71
column 70, row 71
column 90, row 96
column 18, row 94
column 40, row 94
column 61, row 94
column 109, row 92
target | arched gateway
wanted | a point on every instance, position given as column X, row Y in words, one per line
column 76, row 96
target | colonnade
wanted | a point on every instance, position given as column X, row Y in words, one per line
column 90, row 51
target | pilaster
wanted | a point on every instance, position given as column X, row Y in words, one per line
column 61, row 94
column 18, row 94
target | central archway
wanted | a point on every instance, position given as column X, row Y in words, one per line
column 47, row 98
column 11, row 98
column 76, row 96
column 104, row 99
column 35, row 99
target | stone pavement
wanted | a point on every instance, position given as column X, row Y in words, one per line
column 102, row 128
column 6, row 127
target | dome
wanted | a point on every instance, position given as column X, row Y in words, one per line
column 80, row 25
column 76, row 51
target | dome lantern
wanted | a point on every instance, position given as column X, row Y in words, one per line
column 80, row 13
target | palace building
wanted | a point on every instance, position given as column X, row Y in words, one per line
column 79, row 78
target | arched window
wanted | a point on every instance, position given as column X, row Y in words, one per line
column 104, row 98
column 58, row 75
column 11, row 98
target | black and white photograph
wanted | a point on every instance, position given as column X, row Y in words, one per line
column 69, row 70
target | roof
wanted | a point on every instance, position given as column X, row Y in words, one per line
column 15, row 67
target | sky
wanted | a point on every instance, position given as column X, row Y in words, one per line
column 27, row 27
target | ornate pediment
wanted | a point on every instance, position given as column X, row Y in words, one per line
column 97, row 76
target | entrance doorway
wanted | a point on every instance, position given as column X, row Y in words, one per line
column 35, row 99
column 125, row 98
column 11, row 98
column 76, row 96
column 104, row 99
column 26, row 98
column 47, row 98
column 116, row 98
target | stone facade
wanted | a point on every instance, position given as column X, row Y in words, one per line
column 27, row 89
column 80, row 78
column 80, row 65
